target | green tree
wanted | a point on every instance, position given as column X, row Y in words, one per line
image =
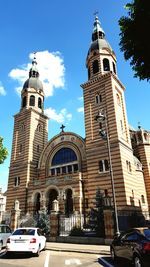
column 3, row 151
column 134, row 37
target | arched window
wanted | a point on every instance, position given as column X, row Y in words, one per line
column 106, row 65
column 98, row 99
column 22, row 127
column 64, row 161
column 128, row 164
column 114, row 67
column 64, row 155
column 89, row 73
column 32, row 100
column 118, row 99
column 39, row 103
column 24, row 101
column 95, row 66
column 16, row 181
column 39, row 127
column 103, row 165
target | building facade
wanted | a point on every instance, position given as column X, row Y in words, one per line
column 72, row 169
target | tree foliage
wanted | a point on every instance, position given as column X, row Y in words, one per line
column 3, row 151
column 39, row 220
column 134, row 37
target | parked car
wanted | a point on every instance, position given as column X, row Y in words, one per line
column 132, row 245
column 5, row 232
column 26, row 239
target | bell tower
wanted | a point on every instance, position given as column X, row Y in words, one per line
column 104, row 93
column 29, row 138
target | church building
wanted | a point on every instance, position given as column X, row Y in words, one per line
column 72, row 169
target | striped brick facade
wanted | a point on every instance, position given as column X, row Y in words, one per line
column 77, row 182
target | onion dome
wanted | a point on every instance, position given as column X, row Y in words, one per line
column 98, row 38
column 33, row 80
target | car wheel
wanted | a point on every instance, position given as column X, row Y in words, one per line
column 37, row 254
column 137, row 262
column 113, row 254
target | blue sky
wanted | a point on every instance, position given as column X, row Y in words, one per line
column 60, row 32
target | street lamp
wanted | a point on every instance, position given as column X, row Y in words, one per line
column 105, row 135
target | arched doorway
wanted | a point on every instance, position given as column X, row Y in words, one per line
column 68, row 202
column 37, row 203
column 51, row 196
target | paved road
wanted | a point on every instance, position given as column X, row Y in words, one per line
column 51, row 259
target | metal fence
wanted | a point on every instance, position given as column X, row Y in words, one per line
column 67, row 224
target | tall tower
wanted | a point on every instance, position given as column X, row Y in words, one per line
column 141, row 146
column 104, row 92
column 29, row 138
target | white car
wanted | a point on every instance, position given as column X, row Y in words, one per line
column 5, row 232
column 26, row 239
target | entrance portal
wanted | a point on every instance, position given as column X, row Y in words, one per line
column 51, row 196
column 69, row 202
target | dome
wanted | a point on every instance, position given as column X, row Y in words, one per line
column 33, row 82
column 99, row 44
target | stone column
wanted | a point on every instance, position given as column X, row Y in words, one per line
column 109, row 224
column 15, row 215
column 54, row 225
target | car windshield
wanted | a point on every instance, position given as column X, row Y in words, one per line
column 147, row 233
column 24, row 232
column 2, row 229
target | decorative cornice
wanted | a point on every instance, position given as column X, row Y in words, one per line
column 101, row 77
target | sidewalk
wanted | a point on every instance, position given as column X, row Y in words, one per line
column 80, row 248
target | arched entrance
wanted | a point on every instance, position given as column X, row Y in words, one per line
column 51, row 196
column 68, row 202
column 37, row 204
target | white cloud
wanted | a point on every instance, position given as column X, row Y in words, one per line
column 81, row 109
column 51, row 69
column 61, row 117
column 2, row 91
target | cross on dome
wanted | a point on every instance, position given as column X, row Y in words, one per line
column 62, row 128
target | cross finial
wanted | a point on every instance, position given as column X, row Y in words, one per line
column 34, row 53
column 95, row 13
column 62, row 128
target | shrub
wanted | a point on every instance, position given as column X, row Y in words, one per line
column 76, row 231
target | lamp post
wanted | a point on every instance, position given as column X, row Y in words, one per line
column 105, row 135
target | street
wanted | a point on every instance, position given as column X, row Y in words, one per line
column 51, row 258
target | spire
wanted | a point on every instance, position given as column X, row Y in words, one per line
column 34, row 71
column 98, row 38
column 97, row 30
column 100, row 52
column 33, row 80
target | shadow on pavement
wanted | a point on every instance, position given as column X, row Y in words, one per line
column 108, row 262
column 13, row 255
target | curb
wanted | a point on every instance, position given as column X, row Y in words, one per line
column 79, row 251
